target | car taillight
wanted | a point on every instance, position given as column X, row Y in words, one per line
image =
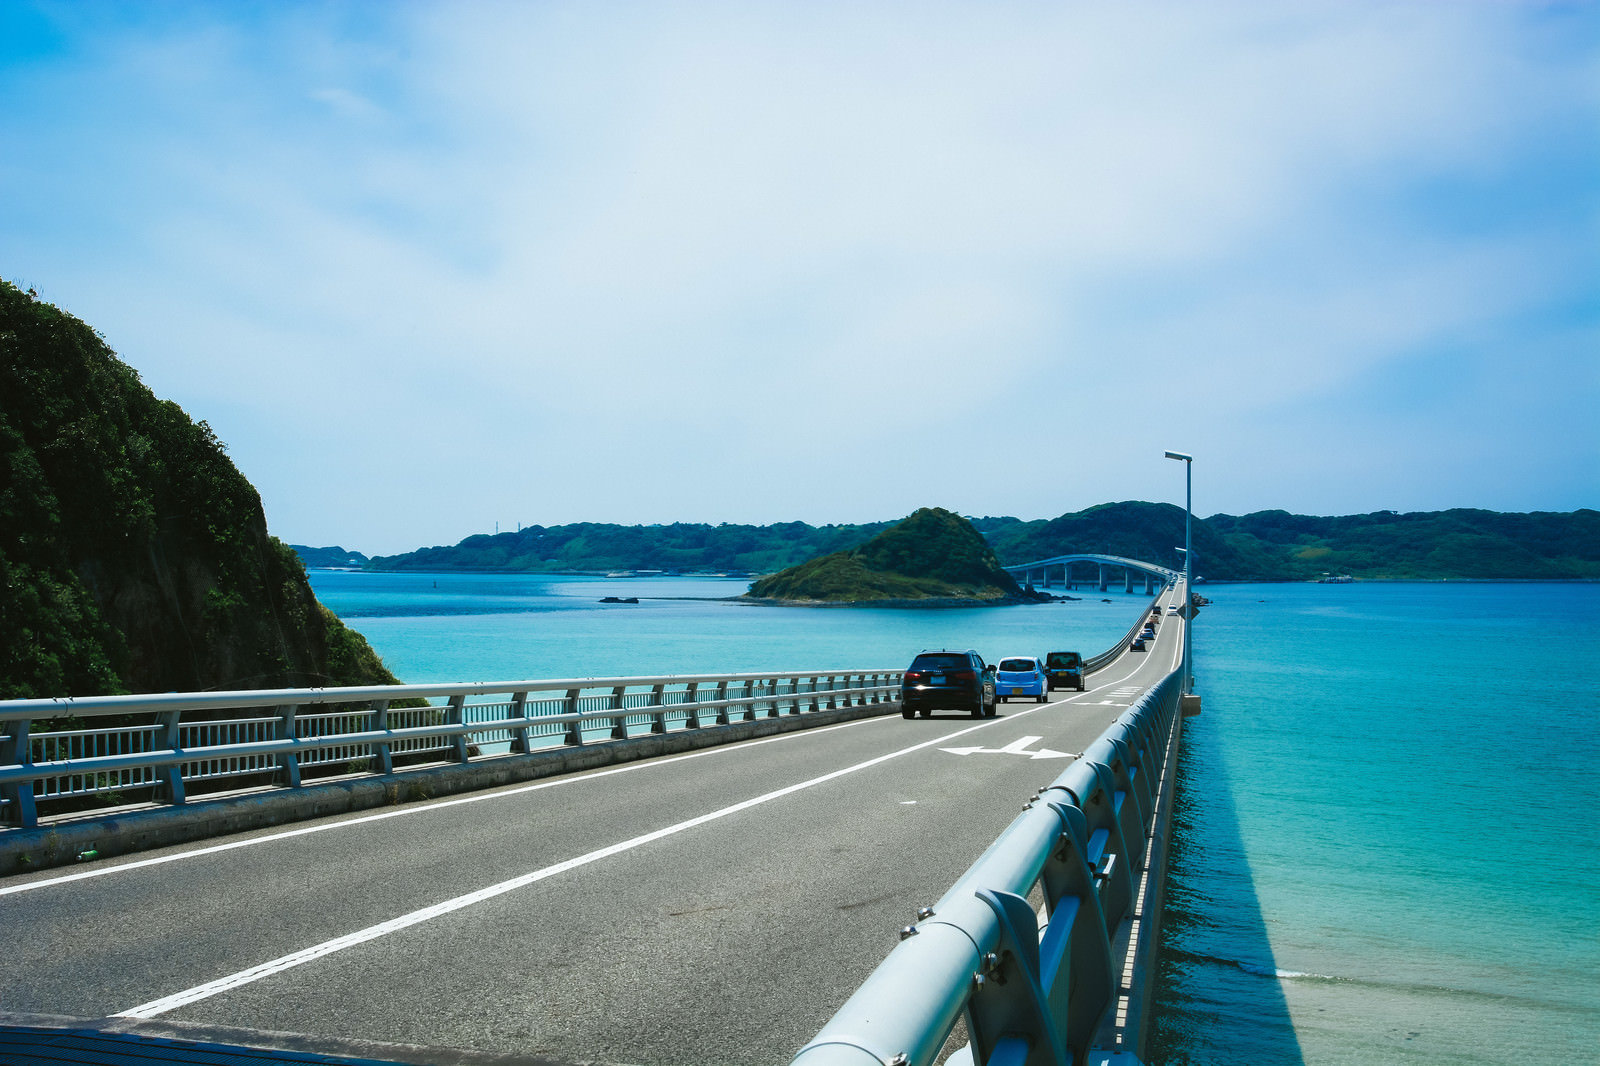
column 914, row 675
column 964, row 675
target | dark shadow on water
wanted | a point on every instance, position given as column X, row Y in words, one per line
column 1218, row 996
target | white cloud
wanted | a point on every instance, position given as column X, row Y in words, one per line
column 712, row 262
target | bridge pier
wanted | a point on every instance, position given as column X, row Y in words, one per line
column 1041, row 573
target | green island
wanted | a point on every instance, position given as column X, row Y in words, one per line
column 134, row 556
column 933, row 557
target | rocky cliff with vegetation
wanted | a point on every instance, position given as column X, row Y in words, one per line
column 932, row 556
column 134, row 557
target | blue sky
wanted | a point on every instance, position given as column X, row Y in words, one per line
column 429, row 267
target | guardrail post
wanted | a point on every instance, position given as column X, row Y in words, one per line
column 1076, row 941
column 658, row 721
column 1006, row 1015
column 288, row 762
column 15, row 749
column 619, row 723
column 171, row 777
column 1131, row 779
column 723, row 718
column 519, row 709
column 691, row 698
column 455, row 714
column 380, row 720
column 1107, row 848
column 574, row 735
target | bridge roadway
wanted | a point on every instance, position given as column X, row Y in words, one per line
column 711, row 908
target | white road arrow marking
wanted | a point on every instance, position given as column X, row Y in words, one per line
column 1016, row 747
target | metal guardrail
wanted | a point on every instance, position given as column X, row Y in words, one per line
column 1031, row 996
column 1095, row 662
column 182, row 743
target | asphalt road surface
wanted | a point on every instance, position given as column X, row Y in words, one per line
column 708, row 908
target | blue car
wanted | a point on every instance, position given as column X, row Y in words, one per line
column 1021, row 675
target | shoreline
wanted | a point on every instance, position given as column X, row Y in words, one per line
column 1220, row 581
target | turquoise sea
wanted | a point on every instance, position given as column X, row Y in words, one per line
column 1387, row 846
column 493, row 627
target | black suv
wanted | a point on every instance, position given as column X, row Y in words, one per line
column 1064, row 669
column 948, row 680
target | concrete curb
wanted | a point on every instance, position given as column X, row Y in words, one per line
column 1136, row 942
column 47, row 846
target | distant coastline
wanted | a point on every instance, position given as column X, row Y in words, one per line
column 1262, row 547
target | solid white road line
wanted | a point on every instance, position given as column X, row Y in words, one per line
column 404, row 921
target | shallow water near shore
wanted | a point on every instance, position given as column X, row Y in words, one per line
column 1396, row 785
column 1386, row 848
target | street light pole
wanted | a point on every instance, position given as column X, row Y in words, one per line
column 1188, row 554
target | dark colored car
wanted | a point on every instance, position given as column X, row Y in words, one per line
column 950, row 681
column 1064, row 669
column 1137, row 644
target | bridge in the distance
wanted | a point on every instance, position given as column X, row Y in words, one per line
column 734, row 868
column 1042, row 573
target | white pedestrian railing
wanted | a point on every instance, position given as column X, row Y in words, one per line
column 62, row 753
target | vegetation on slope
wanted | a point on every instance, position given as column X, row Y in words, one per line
column 329, row 557
column 1265, row 546
column 1278, row 546
column 1434, row 545
column 933, row 554
column 599, row 546
column 134, row 557
column 1149, row 532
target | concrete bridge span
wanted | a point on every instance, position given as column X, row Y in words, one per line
column 1041, row 573
column 719, row 904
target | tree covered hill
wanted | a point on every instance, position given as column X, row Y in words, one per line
column 1278, row 546
column 933, row 554
column 134, row 557
column 1434, row 545
column 1265, row 546
column 332, row 557
column 599, row 547
column 1149, row 532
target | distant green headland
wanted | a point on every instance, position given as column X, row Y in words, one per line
column 1451, row 545
column 134, row 557
column 932, row 556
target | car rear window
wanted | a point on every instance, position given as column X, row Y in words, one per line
column 940, row 662
column 1017, row 666
column 1062, row 658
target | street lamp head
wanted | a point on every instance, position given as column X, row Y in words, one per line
column 1180, row 455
